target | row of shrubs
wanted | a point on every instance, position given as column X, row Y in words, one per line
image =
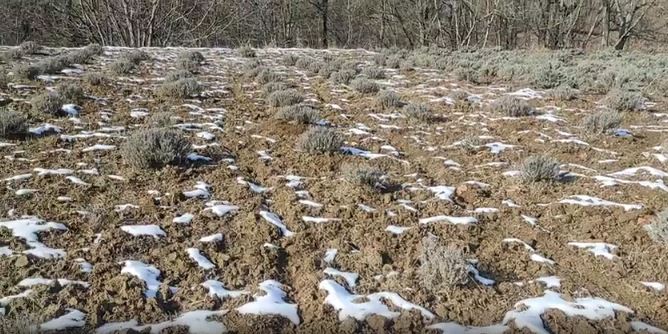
column 55, row 64
column 595, row 72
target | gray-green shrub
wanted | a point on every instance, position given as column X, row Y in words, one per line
column 155, row 148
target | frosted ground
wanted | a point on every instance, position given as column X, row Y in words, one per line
column 252, row 233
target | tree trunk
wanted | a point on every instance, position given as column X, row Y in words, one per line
column 323, row 13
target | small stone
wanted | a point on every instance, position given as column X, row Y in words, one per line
column 22, row 261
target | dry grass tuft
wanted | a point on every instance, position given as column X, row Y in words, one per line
column 284, row 98
column 539, row 168
column 512, row 106
column 601, row 122
column 442, row 268
column 320, row 140
column 12, row 124
column 155, row 148
column 299, row 113
column 658, row 229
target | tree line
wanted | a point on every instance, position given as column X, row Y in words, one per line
column 453, row 24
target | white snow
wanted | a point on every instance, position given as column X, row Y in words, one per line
column 597, row 248
column 319, row 220
column 530, row 220
column 212, row 238
column 99, row 147
column 633, row 171
column 258, row 189
column 140, row 230
column 455, row 328
column 196, row 255
column 640, row 326
column 498, row 147
column 349, row 277
column 585, row 200
column 275, row 220
column 550, row 281
column 394, row 229
column 527, row 313
column 443, row 192
column 217, row 289
column 654, row 285
column 201, row 191
column 30, row 282
column 272, row 303
column 74, row 318
column 349, row 305
column 330, row 254
column 185, row 218
column 220, row 208
column 5, row 251
column 77, row 180
column 86, row 267
column 310, row 203
column 147, row 273
column 27, row 229
column 449, row 219
column 197, row 322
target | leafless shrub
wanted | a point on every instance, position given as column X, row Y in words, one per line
column 418, row 112
column 189, row 61
column 266, row 76
column 180, row 89
column 178, row 75
column 320, row 140
column 70, row 91
column 601, row 122
column 12, row 124
column 365, row 176
column 442, row 268
column 380, row 59
column 122, row 66
column 343, row 76
column 160, row 119
column 394, row 61
column 30, row 47
column 512, row 106
column 52, row 65
column 94, row 49
column 658, row 229
column 547, row 76
column 471, row 144
column 621, row 100
column 271, row 87
column 25, row 71
column 94, row 79
column 388, row 99
column 49, row 103
column 155, row 148
column 247, row 51
column 373, row 73
column 290, row 59
column 459, row 96
column 563, row 93
column 539, row 168
column 299, row 113
column 365, row 86
column 136, row 56
column 284, row 98
column 13, row 54
column 305, row 62
column 21, row 323
column 327, row 70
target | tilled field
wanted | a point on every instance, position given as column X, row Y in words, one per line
column 254, row 234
